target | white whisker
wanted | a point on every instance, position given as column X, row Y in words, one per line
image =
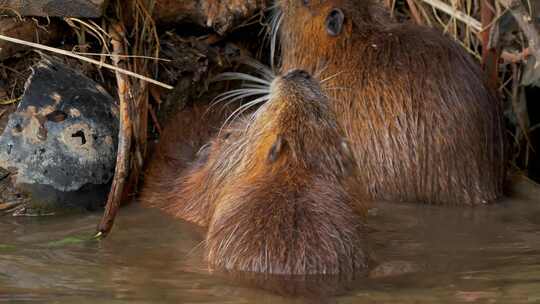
column 257, row 86
column 337, row 88
column 235, row 99
column 275, row 24
column 252, row 103
column 238, row 94
column 240, row 76
column 260, row 68
column 331, row 77
column 244, row 108
column 319, row 71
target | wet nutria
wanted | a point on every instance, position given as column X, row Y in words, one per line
column 421, row 121
column 277, row 189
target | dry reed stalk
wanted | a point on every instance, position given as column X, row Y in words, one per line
column 90, row 60
column 490, row 56
column 125, row 135
column 415, row 12
column 134, row 112
column 449, row 10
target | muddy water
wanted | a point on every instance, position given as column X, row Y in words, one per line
column 432, row 254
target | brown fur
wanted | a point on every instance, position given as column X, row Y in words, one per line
column 181, row 147
column 277, row 190
column 421, row 121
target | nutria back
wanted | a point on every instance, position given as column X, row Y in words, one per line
column 423, row 125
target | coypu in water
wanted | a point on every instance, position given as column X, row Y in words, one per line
column 276, row 189
column 421, row 121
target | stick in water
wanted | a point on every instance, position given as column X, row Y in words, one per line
column 124, row 140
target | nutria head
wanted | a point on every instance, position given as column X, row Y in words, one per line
column 324, row 28
column 420, row 119
column 296, row 128
column 277, row 189
column 288, row 206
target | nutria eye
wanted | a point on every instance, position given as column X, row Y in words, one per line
column 305, row 2
column 334, row 22
column 304, row 74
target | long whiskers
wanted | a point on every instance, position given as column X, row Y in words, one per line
column 253, row 86
column 320, row 70
column 337, row 88
column 240, row 76
column 256, row 87
column 275, row 23
column 261, row 69
column 330, row 77
column 244, row 108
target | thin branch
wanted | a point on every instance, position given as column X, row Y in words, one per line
column 459, row 15
column 123, row 56
column 125, row 136
column 414, row 12
column 93, row 61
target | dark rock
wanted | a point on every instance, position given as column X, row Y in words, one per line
column 62, row 139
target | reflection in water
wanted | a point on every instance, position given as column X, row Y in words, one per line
column 427, row 254
column 316, row 288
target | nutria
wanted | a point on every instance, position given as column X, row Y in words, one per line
column 422, row 123
column 277, row 189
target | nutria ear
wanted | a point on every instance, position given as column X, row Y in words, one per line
column 334, row 22
column 348, row 159
column 203, row 154
column 277, row 148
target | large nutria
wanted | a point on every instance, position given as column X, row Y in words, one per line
column 421, row 121
column 276, row 189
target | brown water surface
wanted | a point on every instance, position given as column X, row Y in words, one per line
column 429, row 255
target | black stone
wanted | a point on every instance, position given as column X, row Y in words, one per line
column 62, row 139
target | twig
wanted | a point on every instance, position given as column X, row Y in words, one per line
column 10, row 69
column 10, row 101
column 490, row 56
column 154, row 92
column 518, row 106
column 414, row 12
column 123, row 56
column 155, row 120
column 96, row 62
column 125, row 136
column 470, row 21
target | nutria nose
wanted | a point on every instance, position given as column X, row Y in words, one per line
column 297, row 73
